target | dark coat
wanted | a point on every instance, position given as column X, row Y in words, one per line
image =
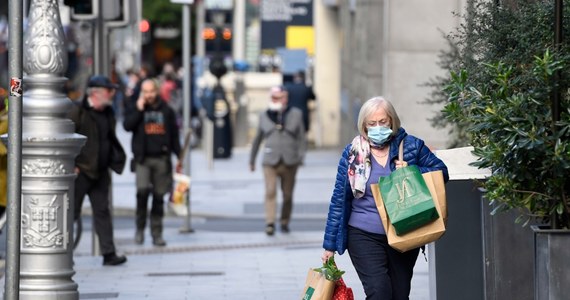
column 299, row 96
column 340, row 208
column 88, row 159
column 134, row 122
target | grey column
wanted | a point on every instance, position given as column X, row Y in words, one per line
column 238, row 48
column 238, row 36
column 49, row 147
column 188, row 98
column 200, row 20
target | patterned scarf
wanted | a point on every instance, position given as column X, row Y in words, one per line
column 359, row 165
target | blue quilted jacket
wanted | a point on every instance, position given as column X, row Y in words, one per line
column 415, row 153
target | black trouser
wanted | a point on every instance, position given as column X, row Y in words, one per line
column 385, row 273
column 98, row 191
column 153, row 176
column 156, row 211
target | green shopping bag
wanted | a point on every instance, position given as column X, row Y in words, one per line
column 407, row 199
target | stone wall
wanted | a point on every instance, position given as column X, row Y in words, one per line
column 388, row 48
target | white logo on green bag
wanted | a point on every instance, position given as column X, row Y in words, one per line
column 404, row 190
column 309, row 293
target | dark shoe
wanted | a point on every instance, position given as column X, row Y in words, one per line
column 156, row 231
column 270, row 229
column 158, row 241
column 113, row 260
column 139, row 237
column 285, row 228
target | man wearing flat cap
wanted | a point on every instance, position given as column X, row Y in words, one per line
column 95, row 119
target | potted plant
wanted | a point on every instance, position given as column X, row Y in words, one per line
column 504, row 72
column 513, row 134
column 512, row 131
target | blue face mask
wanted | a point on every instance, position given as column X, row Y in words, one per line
column 379, row 134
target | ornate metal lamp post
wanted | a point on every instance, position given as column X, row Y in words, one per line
column 49, row 147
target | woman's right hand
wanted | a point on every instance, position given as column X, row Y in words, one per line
column 326, row 255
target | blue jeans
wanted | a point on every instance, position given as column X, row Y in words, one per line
column 385, row 273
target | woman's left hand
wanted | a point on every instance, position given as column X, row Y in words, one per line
column 401, row 164
column 326, row 255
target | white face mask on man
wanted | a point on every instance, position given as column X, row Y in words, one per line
column 275, row 106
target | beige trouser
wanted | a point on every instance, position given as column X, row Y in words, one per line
column 287, row 177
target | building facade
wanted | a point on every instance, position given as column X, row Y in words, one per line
column 366, row 48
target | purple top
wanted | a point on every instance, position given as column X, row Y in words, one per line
column 364, row 215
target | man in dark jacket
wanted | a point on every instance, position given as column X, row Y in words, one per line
column 300, row 95
column 95, row 119
column 155, row 138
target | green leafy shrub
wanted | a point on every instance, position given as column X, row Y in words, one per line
column 509, row 122
column 512, row 32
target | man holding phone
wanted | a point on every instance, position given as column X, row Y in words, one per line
column 155, row 138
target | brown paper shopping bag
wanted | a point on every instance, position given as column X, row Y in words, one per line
column 317, row 287
column 425, row 234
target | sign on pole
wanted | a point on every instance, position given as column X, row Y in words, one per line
column 182, row 1
column 286, row 23
column 219, row 4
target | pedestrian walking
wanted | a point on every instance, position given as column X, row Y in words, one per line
column 282, row 129
column 155, row 138
column 170, row 93
column 300, row 95
column 95, row 119
column 353, row 221
column 130, row 80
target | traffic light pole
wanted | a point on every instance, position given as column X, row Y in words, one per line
column 100, row 42
column 14, row 206
column 100, row 67
column 186, row 59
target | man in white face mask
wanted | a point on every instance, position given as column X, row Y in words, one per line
column 278, row 99
column 95, row 119
column 284, row 133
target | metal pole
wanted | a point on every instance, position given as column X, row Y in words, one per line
column 201, row 19
column 208, row 125
column 238, row 36
column 100, row 68
column 138, row 33
column 558, row 16
column 99, row 49
column 186, row 59
column 238, row 49
column 49, row 147
column 209, row 139
column 558, row 36
column 14, row 206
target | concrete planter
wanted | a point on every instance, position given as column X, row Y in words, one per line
column 551, row 268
